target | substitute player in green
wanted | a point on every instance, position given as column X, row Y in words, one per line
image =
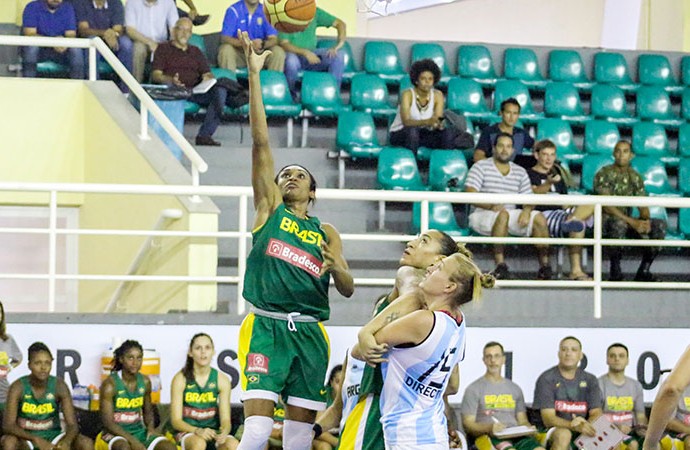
column 32, row 414
column 283, row 347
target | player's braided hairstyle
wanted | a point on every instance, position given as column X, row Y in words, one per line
column 188, row 369
column 121, row 350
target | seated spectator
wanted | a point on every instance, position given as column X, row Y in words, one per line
column 510, row 114
column 301, row 52
column 248, row 15
column 197, row 19
column 328, row 439
column 419, row 120
column 34, row 402
column 148, row 23
column 177, row 63
column 498, row 175
column 623, row 400
column 105, row 19
column 51, row 18
column 620, row 178
column 492, row 403
column 548, row 177
column 567, row 397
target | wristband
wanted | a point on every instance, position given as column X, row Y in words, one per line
column 318, row 431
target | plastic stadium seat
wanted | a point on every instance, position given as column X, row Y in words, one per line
column 350, row 69
column 601, row 137
column 685, row 105
column 369, row 93
column 466, row 96
column 650, row 139
column 445, row 165
column 567, row 65
column 685, row 70
column 198, row 41
column 684, row 178
column 684, row 222
column 562, row 100
column 441, row 217
column 435, row 52
column 611, row 68
column 654, row 104
column 655, row 70
column 522, row 64
column 405, row 83
column 321, row 97
column 506, row 89
column 355, row 138
column 561, row 134
column 382, row 58
column 277, row 99
column 590, row 166
column 654, row 174
column 475, row 61
column 684, row 141
column 397, row 170
column 608, row 103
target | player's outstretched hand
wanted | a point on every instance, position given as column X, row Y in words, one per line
column 254, row 61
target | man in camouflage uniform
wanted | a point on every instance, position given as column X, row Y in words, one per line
column 621, row 179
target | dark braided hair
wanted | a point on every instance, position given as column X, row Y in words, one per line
column 121, row 350
column 188, row 369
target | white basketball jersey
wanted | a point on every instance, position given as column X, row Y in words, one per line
column 414, row 379
column 352, row 378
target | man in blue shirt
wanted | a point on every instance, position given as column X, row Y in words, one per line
column 55, row 19
column 510, row 114
column 248, row 15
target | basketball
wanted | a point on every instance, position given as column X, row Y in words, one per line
column 289, row 16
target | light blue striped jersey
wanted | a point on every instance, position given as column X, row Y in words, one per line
column 414, row 379
column 352, row 379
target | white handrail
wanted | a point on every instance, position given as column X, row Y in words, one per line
column 146, row 102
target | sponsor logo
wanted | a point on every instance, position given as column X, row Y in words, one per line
column 323, row 392
column 50, row 396
column 421, row 388
column 619, row 403
column 294, row 256
column 35, row 425
column 583, row 384
column 142, row 390
column 256, row 362
column 127, row 417
column 502, row 401
column 198, row 414
column 212, row 385
column 571, row 407
column 621, row 418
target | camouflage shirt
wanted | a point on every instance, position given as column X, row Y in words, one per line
column 611, row 180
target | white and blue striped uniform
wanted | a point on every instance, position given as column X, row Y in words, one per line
column 414, row 379
column 352, row 379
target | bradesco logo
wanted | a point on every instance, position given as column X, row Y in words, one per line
column 295, row 256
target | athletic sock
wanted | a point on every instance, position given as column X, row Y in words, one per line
column 257, row 430
column 297, row 435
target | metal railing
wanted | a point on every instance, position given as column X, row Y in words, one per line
column 147, row 105
column 242, row 232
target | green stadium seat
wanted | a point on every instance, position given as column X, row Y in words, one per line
column 51, row 69
column 591, row 164
column 191, row 108
column 383, row 59
column 608, row 103
column 355, row 138
column 441, row 217
column 684, row 178
column 656, row 70
column 320, row 97
column 655, row 176
column 685, row 105
column 601, row 137
column 369, row 93
column 445, row 165
column 650, row 139
column 654, row 104
column 522, row 64
column 684, row 141
column 277, row 99
column 475, row 62
column 430, row 50
column 685, row 70
column 567, row 65
column 559, row 131
column 611, row 68
column 659, row 212
column 466, row 96
column 684, row 222
column 350, row 68
column 561, row 100
column 397, row 170
column 506, row 89
column 198, row 41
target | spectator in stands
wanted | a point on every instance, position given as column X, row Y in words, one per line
column 177, row 63
column 419, row 120
column 620, row 178
column 105, row 19
column 328, row 439
column 510, row 114
column 499, row 175
column 248, row 15
column 51, row 18
column 492, row 403
column 10, row 357
column 623, row 400
column 148, row 23
column 34, row 403
column 197, row 19
column 567, row 397
column 301, row 52
column 549, row 177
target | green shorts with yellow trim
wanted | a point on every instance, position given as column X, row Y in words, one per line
column 363, row 429
column 544, row 434
column 276, row 361
column 486, row 442
column 104, row 440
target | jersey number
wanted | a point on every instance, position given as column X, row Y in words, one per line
column 444, row 368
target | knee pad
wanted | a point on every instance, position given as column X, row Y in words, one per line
column 257, row 430
column 297, row 435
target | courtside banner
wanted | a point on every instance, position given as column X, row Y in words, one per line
column 78, row 349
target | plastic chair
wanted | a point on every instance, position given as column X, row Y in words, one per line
column 466, row 97
column 441, row 217
column 650, row 139
column 559, row 131
column 684, row 178
column 320, row 97
column 277, row 99
column 590, row 166
column 198, row 41
column 611, row 68
column 562, row 100
column 445, row 165
column 567, row 65
column 684, row 141
column 429, row 50
column 601, row 137
column 506, row 89
column 350, row 68
column 654, row 104
column 655, row 176
column 608, row 103
column 685, row 105
column 522, row 64
column 369, row 93
column 355, row 137
column 397, row 170
column 656, row 70
column 382, row 58
column 475, row 62
column 685, row 70
column 684, row 222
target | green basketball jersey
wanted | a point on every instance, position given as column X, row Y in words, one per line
column 372, row 378
column 284, row 266
column 39, row 416
column 128, row 406
column 200, row 404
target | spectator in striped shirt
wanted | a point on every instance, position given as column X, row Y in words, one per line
column 499, row 175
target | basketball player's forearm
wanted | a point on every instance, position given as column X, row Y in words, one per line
column 330, row 418
column 257, row 113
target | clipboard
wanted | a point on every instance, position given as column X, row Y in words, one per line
column 513, row 432
column 607, row 438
